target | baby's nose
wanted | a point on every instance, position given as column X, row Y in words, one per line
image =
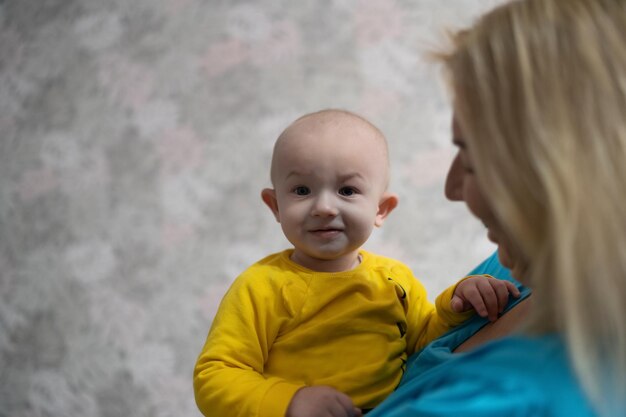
column 325, row 205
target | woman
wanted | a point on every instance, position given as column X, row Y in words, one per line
column 540, row 111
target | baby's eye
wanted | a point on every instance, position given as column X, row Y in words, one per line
column 347, row 191
column 302, row 190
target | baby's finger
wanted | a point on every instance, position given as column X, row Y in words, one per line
column 502, row 292
column 472, row 298
column 490, row 298
column 457, row 304
column 512, row 289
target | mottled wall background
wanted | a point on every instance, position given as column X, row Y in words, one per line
column 135, row 139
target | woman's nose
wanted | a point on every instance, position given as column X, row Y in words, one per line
column 454, row 181
column 324, row 205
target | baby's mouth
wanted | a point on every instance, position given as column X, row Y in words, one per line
column 326, row 231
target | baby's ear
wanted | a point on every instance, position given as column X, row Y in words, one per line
column 388, row 202
column 268, row 196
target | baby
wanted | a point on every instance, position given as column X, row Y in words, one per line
column 325, row 328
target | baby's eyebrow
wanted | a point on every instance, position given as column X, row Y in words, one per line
column 297, row 174
column 351, row 175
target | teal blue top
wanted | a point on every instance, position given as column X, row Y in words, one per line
column 513, row 376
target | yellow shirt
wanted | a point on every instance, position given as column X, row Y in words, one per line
column 281, row 327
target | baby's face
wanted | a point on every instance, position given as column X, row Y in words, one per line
column 329, row 180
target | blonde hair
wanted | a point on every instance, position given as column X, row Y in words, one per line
column 540, row 94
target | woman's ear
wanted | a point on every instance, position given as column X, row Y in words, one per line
column 388, row 202
column 268, row 196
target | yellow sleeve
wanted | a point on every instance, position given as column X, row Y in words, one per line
column 427, row 321
column 228, row 376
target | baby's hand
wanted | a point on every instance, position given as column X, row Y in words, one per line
column 488, row 296
column 321, row 401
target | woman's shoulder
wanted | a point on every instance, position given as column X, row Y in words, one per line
column 517, row 375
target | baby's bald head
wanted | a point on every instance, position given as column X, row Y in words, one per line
column 333, row 130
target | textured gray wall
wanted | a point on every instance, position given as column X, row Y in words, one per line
column 135, row 139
